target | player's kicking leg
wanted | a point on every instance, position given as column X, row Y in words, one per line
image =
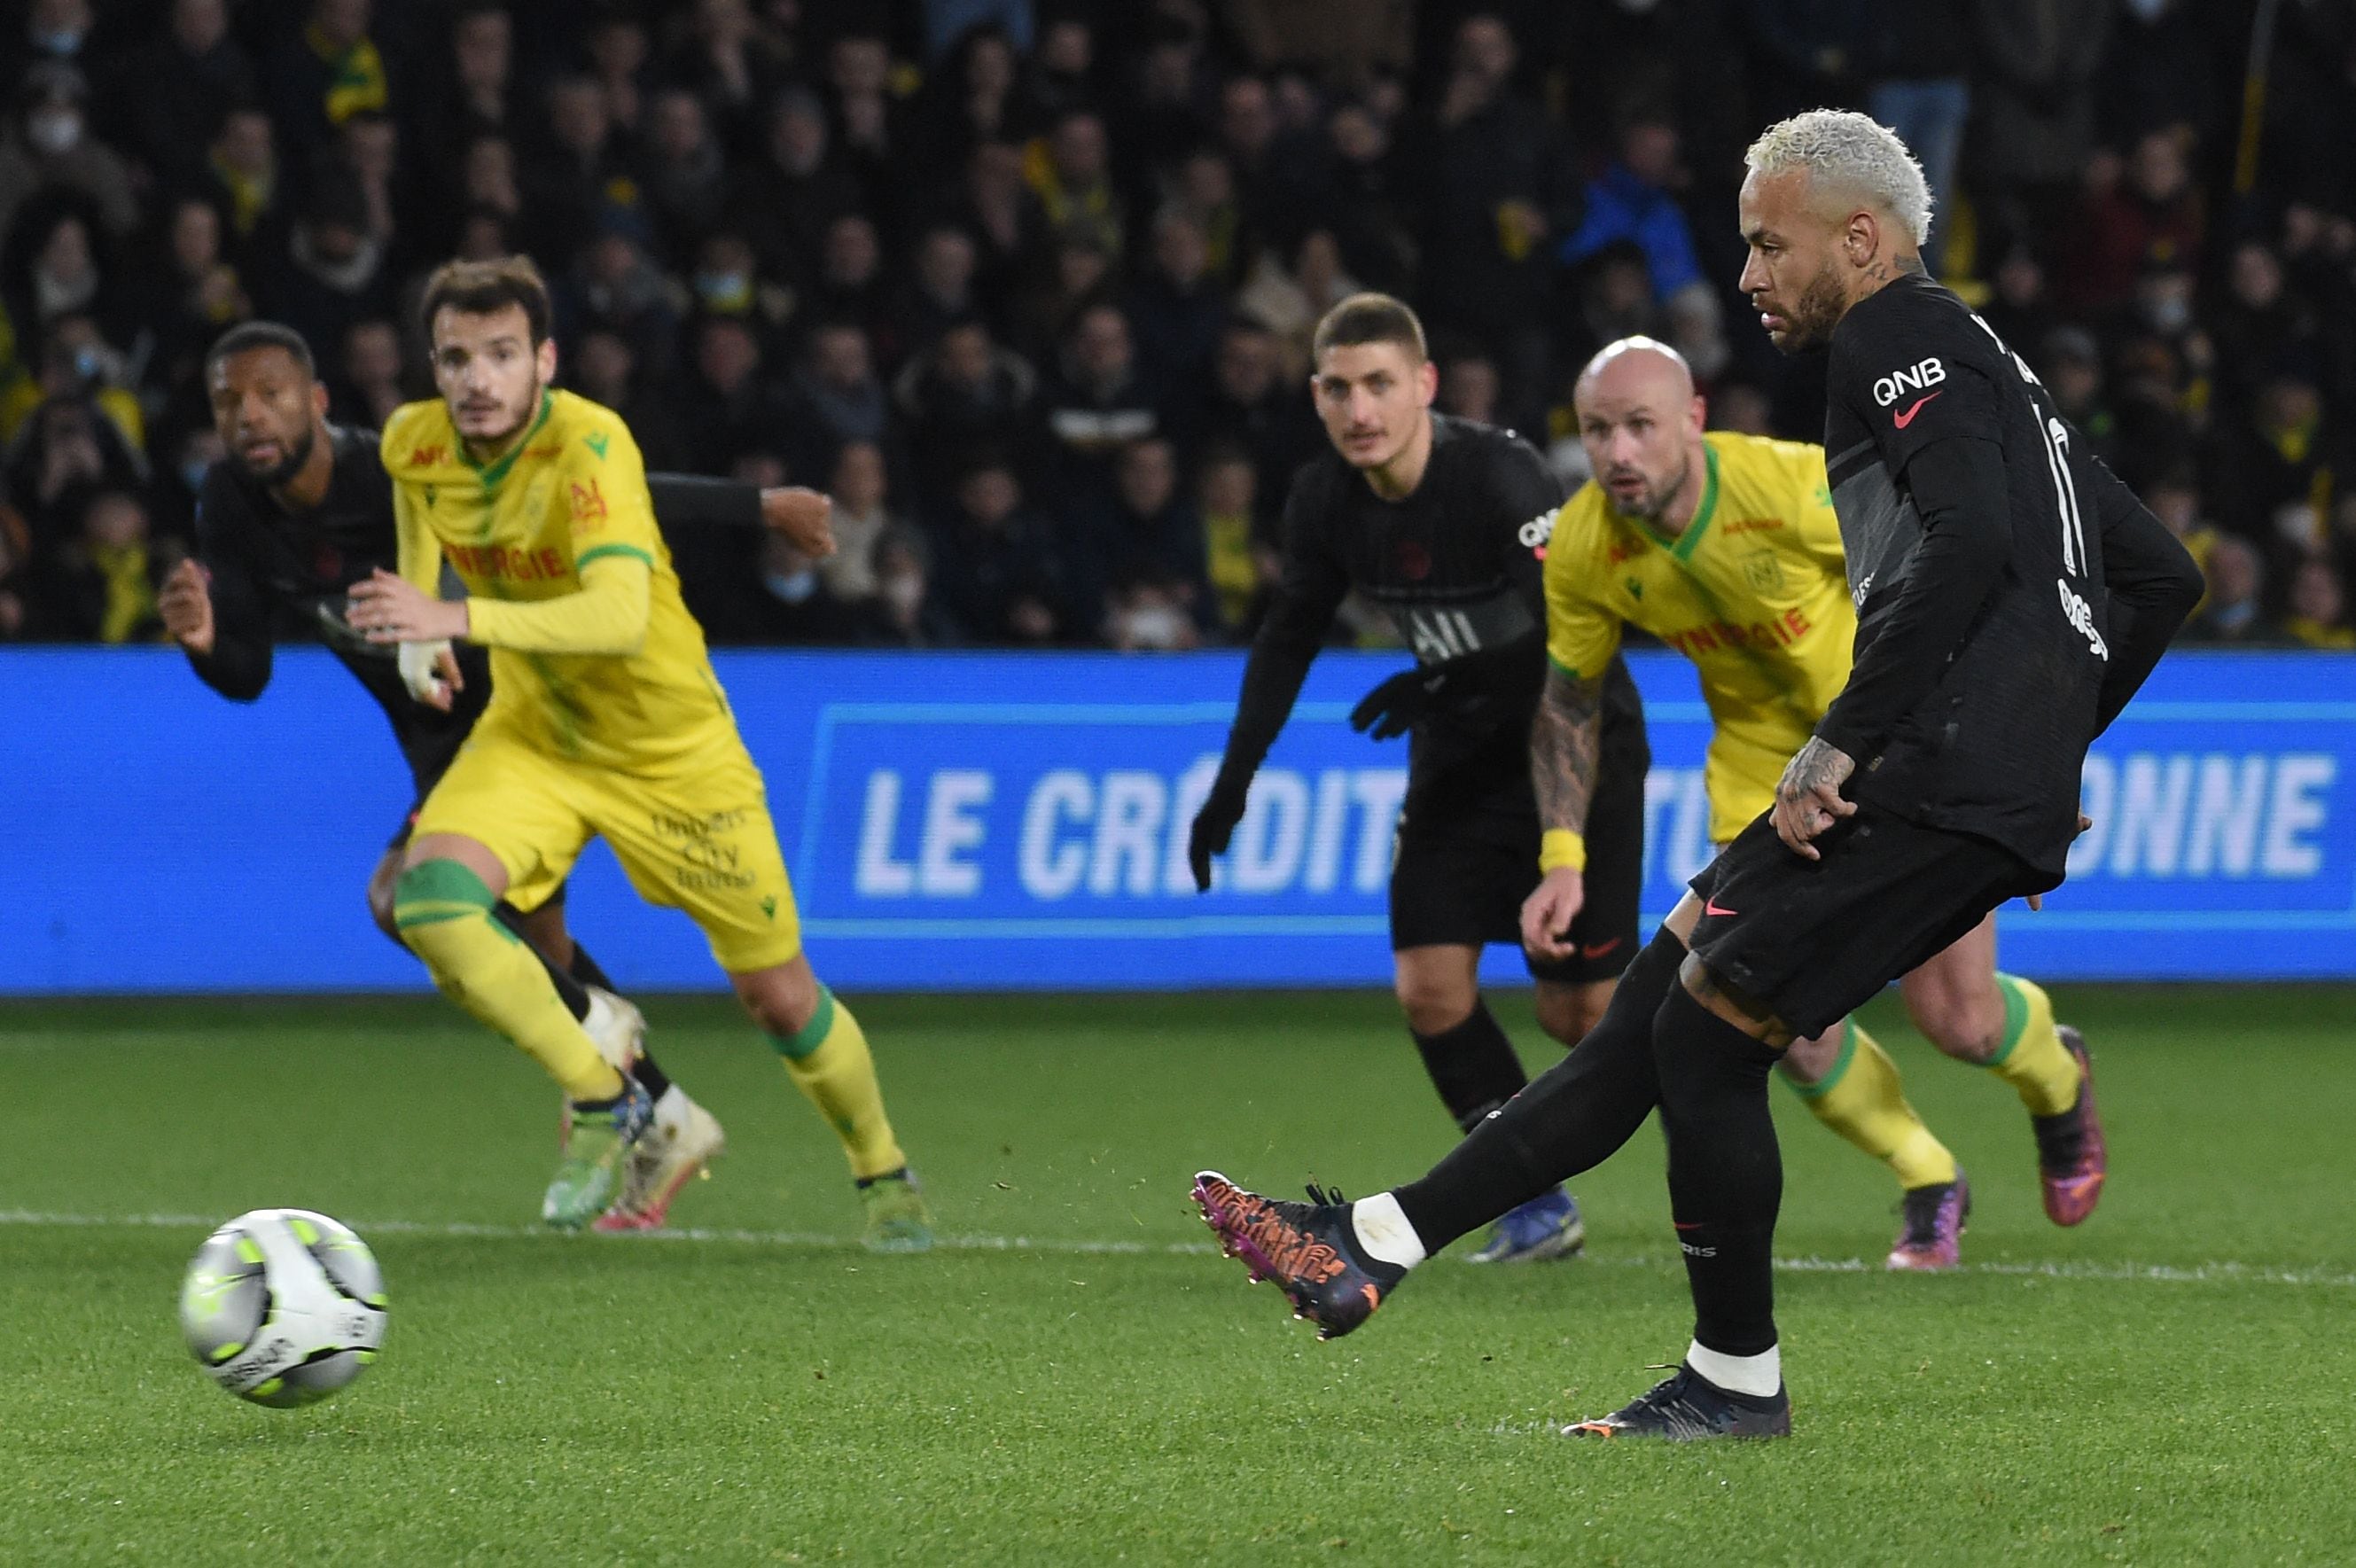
column 446, row 910
column 1975, row 1013
column 1475, row 1067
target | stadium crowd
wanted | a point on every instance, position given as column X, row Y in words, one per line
column 1027, row 284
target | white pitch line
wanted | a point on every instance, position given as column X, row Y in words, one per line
column 2221, row 1272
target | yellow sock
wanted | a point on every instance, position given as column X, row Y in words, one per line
column 2032, row 1059
column 1860, row 1098
column 444, row 912
column 828, row 1061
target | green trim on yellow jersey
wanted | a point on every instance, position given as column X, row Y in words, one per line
column 1683, row 546
column 507, row 460
column 602, row 551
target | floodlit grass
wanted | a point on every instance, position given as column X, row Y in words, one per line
column 1077, row 1379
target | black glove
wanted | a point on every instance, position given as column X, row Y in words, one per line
column 1400, row 703
column 1214, row 824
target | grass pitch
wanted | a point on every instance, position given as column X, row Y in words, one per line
column 1077, row 1378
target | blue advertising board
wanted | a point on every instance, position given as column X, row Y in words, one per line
column 1000, row 820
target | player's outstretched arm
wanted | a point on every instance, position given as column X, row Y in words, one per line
column 217, row 619
column 1565, row 742
column 2153, row 583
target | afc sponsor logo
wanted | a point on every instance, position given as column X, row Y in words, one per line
column 2081, row 615
column 1897, row 383
column 428, row 456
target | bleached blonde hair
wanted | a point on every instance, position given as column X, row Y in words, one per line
column 1844, row 151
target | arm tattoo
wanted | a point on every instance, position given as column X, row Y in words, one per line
column 1818, row 764
column 1565, row 740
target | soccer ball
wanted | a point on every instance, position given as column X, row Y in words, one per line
column 282, row 1306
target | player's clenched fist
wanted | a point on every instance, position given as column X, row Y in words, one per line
column 186, row 603
column 1548, row 912
column 805, row 517
column 1808, row 799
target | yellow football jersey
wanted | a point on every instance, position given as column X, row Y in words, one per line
column 1753, row 592
column 521, row 530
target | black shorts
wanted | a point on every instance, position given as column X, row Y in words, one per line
column 1813, row 939
column 1465, row 889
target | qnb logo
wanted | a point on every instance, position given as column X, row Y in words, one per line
column 1538, row 533
column 1897, row 383
column 2081, row 615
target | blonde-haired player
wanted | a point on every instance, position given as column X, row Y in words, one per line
column 1726, row 547
column 606, row 719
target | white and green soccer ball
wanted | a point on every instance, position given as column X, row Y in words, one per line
column 284, row 1306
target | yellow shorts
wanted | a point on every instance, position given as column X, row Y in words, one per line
column 698, row 840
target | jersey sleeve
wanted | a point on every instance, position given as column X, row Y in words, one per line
column 239, row 666
column 603, row 483
column 417, row 553
column 1582, row 633
column 1914, row 388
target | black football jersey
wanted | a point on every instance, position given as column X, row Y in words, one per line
column 1457, row 565
column 1984, row 728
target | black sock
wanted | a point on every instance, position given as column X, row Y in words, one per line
column 1572, row 1116
column 576, row 1000
column 585, row 971
column 1725, row 1173
column 1473, row 1065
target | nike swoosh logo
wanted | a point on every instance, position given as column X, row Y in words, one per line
column 1710, row 907
column 1907, row 418
column 1600, row 949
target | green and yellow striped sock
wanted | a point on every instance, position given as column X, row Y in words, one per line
column 828, row 1061
column 443, row 911
column 1861, row 1099
column 2032, row 1059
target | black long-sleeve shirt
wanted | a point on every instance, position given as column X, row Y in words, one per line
column 1457, row 565
column 277, row 574
column 2011, row 593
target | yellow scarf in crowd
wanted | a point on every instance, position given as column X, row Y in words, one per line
column 130, row 597
column 356, row 82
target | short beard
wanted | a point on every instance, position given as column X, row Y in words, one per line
column 1815, row 313
column 286, row 467
column 523, row 417
column 1655, row 503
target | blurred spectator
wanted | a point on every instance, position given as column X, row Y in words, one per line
column 1240, row 561
column 905, row 612
column 2318, row 606
column 2032, row 112
column 948, row 23
column 963, row 393
column 1346, row 41
column 104, row 578
column 1254, row 407
column 2173, row 494
column 20, row 598
column 606, row 370
column 576, row 180
column 2237, row 579
column 1289, row 296
column 48, row 145
column 728, row 409
column 682, row 173
column 1633, row 201
column 788, row 200
column 729, row 59
column 332, row 273
column 1141, row 559
column 2260, row 328
column 1469, row 386
column 1495, row 190
column 972, row 98
column 1175, row 309
column 368, row 388
column 327, row 72
column 1810, row 48
column 836, row 395
column 996, row 207
column 857, row 486
column 2152, row 215
column 166, row 96
column 858, row 72
column 241, row 166
column 196, row 294
column 617, row 56
column 1000, row 578
column 1917, row 56
column 615, row 286
column 2276, row 470
column 2020, row 310
column 1073, row 181
column 1098, row 402
column 939, row 289
column 76, row 397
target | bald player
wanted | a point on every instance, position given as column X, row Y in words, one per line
column 1725, row 547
